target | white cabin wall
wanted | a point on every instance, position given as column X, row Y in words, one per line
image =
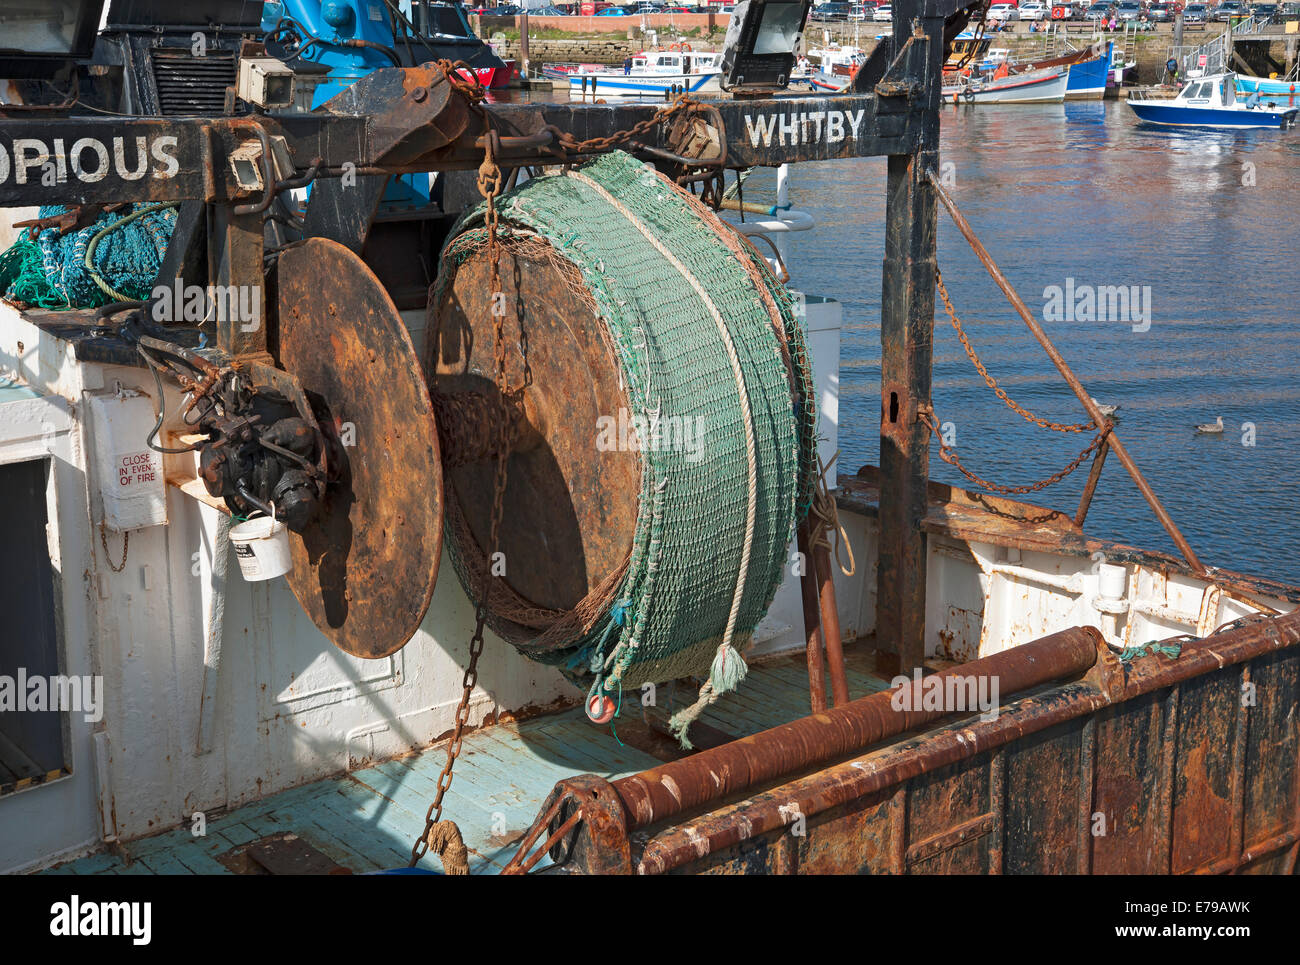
column 46, row 428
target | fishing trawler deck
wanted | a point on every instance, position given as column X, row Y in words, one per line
column 289, row 719
column 362, row 821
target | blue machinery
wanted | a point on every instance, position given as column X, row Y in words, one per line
column 353, row 38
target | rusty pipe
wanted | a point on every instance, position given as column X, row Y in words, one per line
column 672, row 788
column 1090, row 488
column 1110, row 683
column 677, row 845
column 812, row 625
column 831, row 637
column 1059, row 361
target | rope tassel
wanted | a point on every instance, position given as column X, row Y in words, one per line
column 729, row 669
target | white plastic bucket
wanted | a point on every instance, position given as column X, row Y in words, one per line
column 262, row 548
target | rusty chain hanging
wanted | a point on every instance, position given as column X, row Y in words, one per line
column 103, row 541
column 949, row 455
column 490, row 183
column 992, row 382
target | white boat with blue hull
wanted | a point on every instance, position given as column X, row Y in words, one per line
column 652, row 75
column 1213, row 102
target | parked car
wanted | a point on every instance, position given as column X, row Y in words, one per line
column 1160, row 12
column 884, row 13
column 833, row 11
column 1003, row 11
column 1033, row 10
column 612, row 12
column 1195, row 13
column 1264, row 12
column 1128, row 10
column 1228, row 9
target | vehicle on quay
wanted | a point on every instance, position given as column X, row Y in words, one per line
column 835, row 11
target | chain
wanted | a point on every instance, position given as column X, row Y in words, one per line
column 598, row 144
column 490, row 182
column 978, row 32
column 103, row 541
column 992, row 382
column 949, row 456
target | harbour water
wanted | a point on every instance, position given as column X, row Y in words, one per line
column 1200, row 223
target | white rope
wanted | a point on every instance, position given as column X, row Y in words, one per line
column 737, row 373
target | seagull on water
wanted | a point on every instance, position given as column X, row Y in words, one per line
column 1105, row 408
column 1214, row 427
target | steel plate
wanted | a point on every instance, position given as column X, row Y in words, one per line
column 365, row 570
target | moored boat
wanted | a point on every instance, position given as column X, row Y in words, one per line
column 1046, row 86
column 1213, row 102
column 1270, row 87
column 1089, row 70
column 653, row 73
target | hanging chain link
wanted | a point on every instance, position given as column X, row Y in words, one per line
column 949, row 455
column 103, row 541
column 992, row 382
column 490, row 183
column 597, row 145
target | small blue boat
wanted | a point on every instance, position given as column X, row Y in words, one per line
column 1212, row 102
column 1286, row 90
column 1088, row 77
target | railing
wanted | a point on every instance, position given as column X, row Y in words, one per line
column 1250, row 25
column 1215, row 52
